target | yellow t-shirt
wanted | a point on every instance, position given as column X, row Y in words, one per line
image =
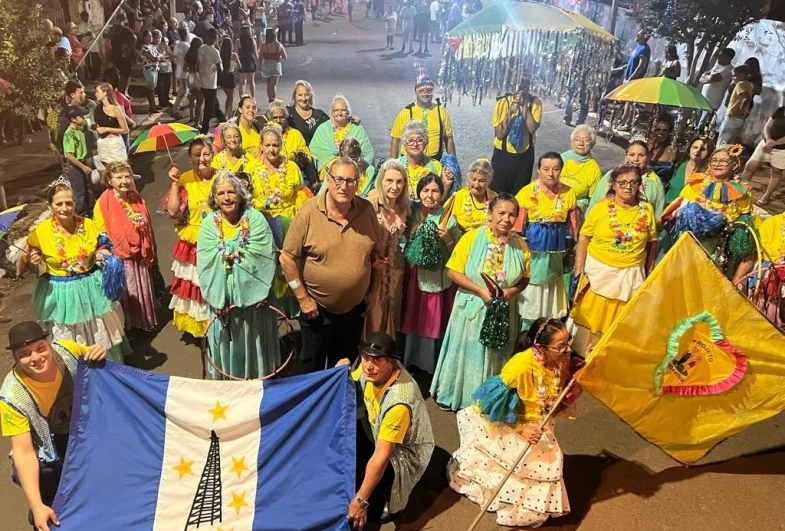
column 582, row 177
column 693, row 192
column 79, row 248
column 742, row 89
column 433, row 114
column 637, row 223
column 460, row 255
column 524, row 374
column 468, row 213
column 500, row 112
column 246, row 162
column 772, row 238
column 293, row 141
column 44, row 393
column 251, row 140
column 274, row 195
column 415, row 173
column 198, row 191
column 396, row 422
column 544, row 208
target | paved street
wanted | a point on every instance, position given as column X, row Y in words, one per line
column 616, row 481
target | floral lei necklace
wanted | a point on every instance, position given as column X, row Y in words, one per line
column 273, row 193
column 414, row 174
column 77, row 265
column 625, row 236
column 782, row 243
column 548, row 389
column 237, row 253
column 338, row 135
column 469, row 207
column 494, row 256
column 134, row 212
column 535, row 215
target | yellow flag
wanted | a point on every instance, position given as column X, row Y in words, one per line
column 689, row 361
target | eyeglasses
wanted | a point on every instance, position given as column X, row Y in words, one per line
column 424, row 91
column 415, row 142
column 628, row 184
column 720, row 162
column 340, row 181
column 560, row 348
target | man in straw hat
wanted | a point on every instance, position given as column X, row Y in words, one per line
column 433, row 116
column 394, row 437
column 36, row 399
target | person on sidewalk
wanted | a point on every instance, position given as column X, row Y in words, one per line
column 716, row 83
column 394, row 435
column 406, row 16
column 390, row 21
column 208, row 68
column 36, row 399
column 738, row 107
column 75, row 168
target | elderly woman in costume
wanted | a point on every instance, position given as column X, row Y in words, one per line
column 469, row 205
column 294, row 146
column 327, row 137
column 415, row 140
column 187, row 205
column 350, row 148
column 694, row 160
column 70, row 293
column 277, row 180
column 549, row 212
column 122, row 214
column 390, row 200
column 581, row 172
column 490, row 265
column 428, row 291
column 616, row 250
column 302, row 114
column 233, row 157
column 717, row 208
column 651, row 186
column 236, row 264
column 505, row 416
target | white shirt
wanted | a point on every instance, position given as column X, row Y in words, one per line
column 407, row 16
column 180, row 49
column 209, row 58
column 715, row 92
column 436, row 8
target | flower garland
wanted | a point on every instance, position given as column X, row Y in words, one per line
column 535, row 215
column 494, row 257
column 134, row 213
column 339, row 133
column 623, row 237
column 782, row 243
column 77, row 265
column 469, row 207
column 547, row 389
column 413, row 175
column 272, row 193
column 237, row 253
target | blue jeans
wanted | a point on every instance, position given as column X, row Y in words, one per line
column 582, row 101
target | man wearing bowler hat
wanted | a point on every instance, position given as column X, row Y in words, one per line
column 36, row 399
column 395, row 442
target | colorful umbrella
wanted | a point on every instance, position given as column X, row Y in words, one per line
column 661, row 91
column 7, row 217
column 522, row 16
column 163, row 136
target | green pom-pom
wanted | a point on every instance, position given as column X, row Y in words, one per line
column 495, row 330
column 424, row 249
column 741, row 242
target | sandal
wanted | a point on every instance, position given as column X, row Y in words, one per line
column 762, row 201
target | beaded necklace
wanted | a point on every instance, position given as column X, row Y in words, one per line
column 534, row 213
column 624, row 237
column 413, row 175
column 238, row 251
column 272, row 193
column 469, row 207
column 494, row 256
column 77, row 265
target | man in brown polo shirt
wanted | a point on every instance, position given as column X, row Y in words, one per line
column 333, row 240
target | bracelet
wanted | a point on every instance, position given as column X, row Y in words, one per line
column 294, row 284
column 363, row 503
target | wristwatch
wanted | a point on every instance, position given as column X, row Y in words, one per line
column 363, row 503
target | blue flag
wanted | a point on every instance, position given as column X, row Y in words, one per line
column 154, row 452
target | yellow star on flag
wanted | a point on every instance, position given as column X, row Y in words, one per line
column 184, row 467
column 238, row 466
column 238, row 502
column 218, row 412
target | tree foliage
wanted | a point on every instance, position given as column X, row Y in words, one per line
column 32, row 72
column 704, row 26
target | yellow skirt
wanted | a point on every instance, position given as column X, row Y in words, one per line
column 593, row 311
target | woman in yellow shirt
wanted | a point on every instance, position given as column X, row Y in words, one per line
column 247, row 124
column 581, row 171
column 616, row 251
column 276, row 180
column 506, row 412
column 469, row 205
column 294, row 147
column 415, row 139
column 233, row 157
column 69, row 293
column 187, row 205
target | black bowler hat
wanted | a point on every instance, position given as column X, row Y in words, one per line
column 380, row 345
column 25, row 333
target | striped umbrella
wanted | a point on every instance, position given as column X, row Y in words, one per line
column 7, row 217
column 661, row 91
column 163, row 136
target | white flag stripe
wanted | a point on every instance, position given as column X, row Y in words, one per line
column 193, row 409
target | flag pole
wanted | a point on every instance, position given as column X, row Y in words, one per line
column 101, row 34
column 523, row 453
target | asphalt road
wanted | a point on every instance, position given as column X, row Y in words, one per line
column 616, row 481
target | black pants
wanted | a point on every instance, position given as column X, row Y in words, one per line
column 381, row 494
column 286, row 31
column 48, row 475
column 583, row 102
column 164, row 88
column 298, row 32
column 211, row 108
column 330, row 337
column 511, row 172
column 82, row 188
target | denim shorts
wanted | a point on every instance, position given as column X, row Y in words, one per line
column 151, row 77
